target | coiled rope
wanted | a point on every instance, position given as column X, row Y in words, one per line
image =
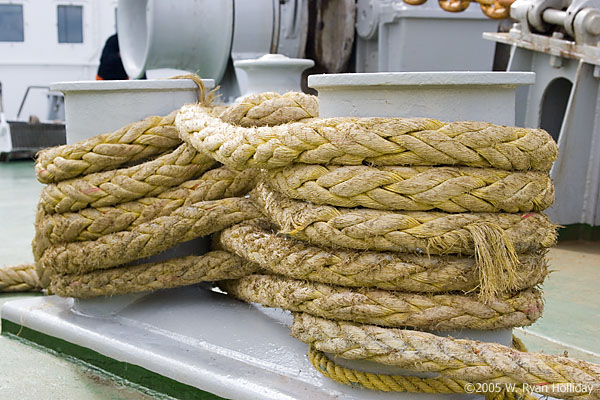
column 96, row 222
column 467, row 360
column 258, row 242
column 451, row 189
column 136, row 141
column 375, row 141
column 19, row 278
column 407, row 383
column 389, row 308
column 362, row 226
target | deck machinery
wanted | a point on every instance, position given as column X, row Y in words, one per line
column 558, row 40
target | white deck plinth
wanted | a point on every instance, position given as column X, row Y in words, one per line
column 95, row 107
column 447, row 96
column 200, row 338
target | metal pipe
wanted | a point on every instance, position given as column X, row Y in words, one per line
column 25, row 97
column 554, row 17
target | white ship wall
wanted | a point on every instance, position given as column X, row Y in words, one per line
column 40, row 59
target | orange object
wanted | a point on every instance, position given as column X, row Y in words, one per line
column 497, row 10
column 454, row 5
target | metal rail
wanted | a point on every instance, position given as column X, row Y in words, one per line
column 27, row 93
column 1, row 102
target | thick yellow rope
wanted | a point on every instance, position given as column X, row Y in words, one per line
column 493, row 238
column 257, row 241
column 93, row 223
column 269, row 109
column 121, row 185
column 155, row 135
column 90, row 229
column 19, row 278
column 377, row 141
column 409, row 231
column 185, row 223
column 175, row 272
column 404, row 383
column 407, row 383
column 388, row 308
column 132, row 199
column 136, row 141
column 468, row 360
column 450, row 189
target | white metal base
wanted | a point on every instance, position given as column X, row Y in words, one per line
column 198, row 337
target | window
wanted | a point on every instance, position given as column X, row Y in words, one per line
column 70, row 24
column 11, row 23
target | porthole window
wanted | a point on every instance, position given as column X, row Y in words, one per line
column 11, row 23
column 70, row 24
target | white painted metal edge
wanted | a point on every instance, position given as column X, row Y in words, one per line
column 153, row 84
column 391, row 79
column 276, row 61
column 203, row 339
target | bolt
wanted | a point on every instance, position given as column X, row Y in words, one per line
column 556, row 61
column 592, row 24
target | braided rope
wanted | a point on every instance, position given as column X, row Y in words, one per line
column 212, row 266
column 255, row 241
column 185, row 223
column 40, row 241
column 271, row 108
column 377, row 141
column 467, row 360
column 39, row 244
column 450, row 189
column 121, row 185
column 410, row 231
column 387, row 308
column 494, row 239
column 136, row 141
column 402, row 383
column 19, row 278
column 93, row 223
column 155, row 135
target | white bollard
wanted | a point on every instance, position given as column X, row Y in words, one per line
column 95, row 107
column 270, row 73
column 446, row 96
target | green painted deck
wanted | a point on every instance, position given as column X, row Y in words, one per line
column 571, row 320
column 26, row 370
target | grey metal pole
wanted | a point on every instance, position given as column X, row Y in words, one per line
column 1, row 103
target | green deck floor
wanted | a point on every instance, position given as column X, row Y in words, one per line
column 28, row 372
column 571, row 320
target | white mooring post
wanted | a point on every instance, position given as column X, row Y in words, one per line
column 95, row 107
column 270, row 73
column 446, row 96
